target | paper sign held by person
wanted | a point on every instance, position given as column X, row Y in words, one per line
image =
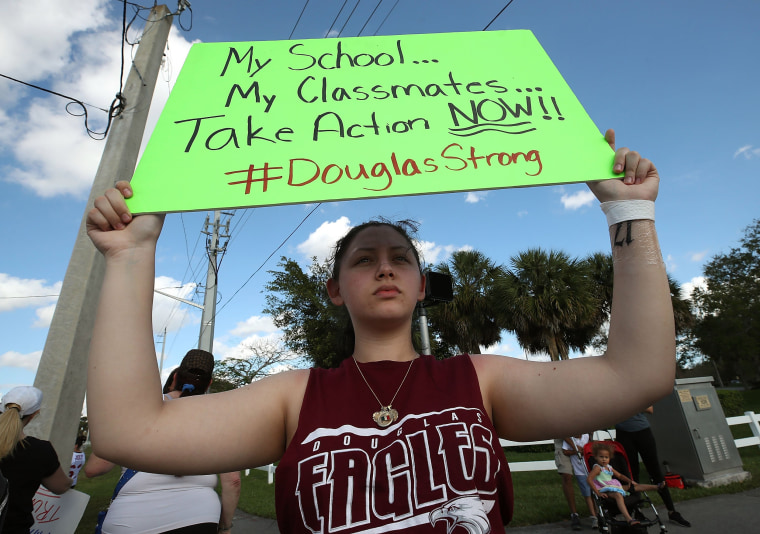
column 287, row 122
column 57, row 514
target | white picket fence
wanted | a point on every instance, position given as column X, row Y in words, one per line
column 749, row 418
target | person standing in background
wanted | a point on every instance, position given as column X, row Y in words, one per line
column 25, row 461
column 77, row 460
column 635, row 435
column 572, row 448
column 565, row 471
column 153, row 503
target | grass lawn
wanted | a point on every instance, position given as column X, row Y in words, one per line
column 538, row 495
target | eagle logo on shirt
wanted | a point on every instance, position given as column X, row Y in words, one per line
column 468, row 512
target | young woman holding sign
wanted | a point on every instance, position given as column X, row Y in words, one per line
column 390, row 439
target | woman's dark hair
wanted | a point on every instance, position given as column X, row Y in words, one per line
column 406, row 228
column 188, row 382
column 169, row 380
column 191, row 383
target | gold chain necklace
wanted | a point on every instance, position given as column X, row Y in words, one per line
column 386, row 415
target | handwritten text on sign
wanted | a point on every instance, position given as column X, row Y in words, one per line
column 282, row 122
column 57, row 514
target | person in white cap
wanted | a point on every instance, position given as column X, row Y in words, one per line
column 24, row 460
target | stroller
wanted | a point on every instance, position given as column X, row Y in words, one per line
column 636, row 502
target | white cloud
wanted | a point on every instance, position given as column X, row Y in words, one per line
column 431, row 253
column 508, row 346
column 78, row 56
column 577, row 200
column 688, row 288
column 24, row 361
column 522, row 213
column 44, row 316
column 473, row 197
column 222, row 351
column 671, row 263
column 748, row 151
column 320, row 241
column 171, row 314
column 16, row 293
column 503, row 348
column 52, row 23
column 53, row 171
column 242, row 350
column 254, row 324
column 699, row 256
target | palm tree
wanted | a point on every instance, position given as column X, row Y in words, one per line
column 548, row 299
column 601, row 274
column 469, row 320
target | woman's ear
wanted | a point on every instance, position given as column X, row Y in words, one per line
column 28, row 418
column 333, row 290
column 421, row 294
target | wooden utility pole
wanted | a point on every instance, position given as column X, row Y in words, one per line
column 62, row 373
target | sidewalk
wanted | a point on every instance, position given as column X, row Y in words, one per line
column 734, row 513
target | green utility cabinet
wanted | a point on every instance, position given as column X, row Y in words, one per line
column 692, row 435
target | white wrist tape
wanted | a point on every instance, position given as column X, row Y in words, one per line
column 618, row 211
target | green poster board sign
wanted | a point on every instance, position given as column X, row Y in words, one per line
column 288, row 122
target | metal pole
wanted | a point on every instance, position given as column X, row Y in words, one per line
column 61, row 374
column 163, row 350
column 424, row 334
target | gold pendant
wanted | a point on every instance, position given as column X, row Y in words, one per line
column 385, row 416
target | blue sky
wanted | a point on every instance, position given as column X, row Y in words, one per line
column 677, row 80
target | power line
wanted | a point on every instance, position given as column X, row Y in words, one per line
column 298, row 20
column 336, row 18
column 386, row 17
column 498, row 14
column 117, row 106
column 268, row 258
column 369, row 18
column 349, row 17
column 181, row 6
column 71, row 98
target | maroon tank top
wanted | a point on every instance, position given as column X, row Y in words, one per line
column 440, row 466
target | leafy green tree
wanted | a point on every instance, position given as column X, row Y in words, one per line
column 548, row 299
column 468, row 321
column 728, row 310
column 300, row 307
column 265, row 356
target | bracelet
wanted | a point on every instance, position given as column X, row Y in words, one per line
column 223, row 528
column 618, row 211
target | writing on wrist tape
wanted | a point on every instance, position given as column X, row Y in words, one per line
column 618, row 211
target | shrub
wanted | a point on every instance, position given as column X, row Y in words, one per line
column 732, row 402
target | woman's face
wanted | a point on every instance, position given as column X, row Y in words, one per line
column 379, row 276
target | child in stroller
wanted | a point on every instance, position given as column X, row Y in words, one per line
column 616, row 485
column 606, row 481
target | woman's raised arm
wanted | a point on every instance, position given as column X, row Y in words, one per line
column 542, row 400
column 130, row 423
